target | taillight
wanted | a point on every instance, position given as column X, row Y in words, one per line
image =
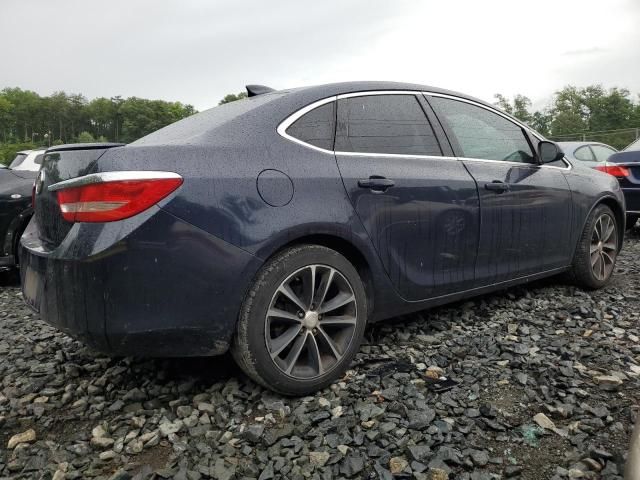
column 614, row 170
column 111, row 196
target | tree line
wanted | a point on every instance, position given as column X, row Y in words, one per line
column 591, row 113
column 28, row 120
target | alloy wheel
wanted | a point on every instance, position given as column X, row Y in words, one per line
column 311, row 321
column 604, row 246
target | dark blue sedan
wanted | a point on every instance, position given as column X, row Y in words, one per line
column 280, row 225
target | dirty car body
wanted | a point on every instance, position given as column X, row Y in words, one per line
column 424, row 222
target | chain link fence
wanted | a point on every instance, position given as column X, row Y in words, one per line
column 616, row 138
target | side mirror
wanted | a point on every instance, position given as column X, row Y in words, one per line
column 549, row 152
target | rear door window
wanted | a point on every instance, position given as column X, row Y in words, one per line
column 482, row 133
column 316, row 127
column 602, row 153
column 385, row 124
column 584, row 154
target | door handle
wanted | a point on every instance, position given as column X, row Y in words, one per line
column 376, row 183
column 497, row 186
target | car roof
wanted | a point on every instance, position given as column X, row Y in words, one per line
column 224, row 121
column 331, row 89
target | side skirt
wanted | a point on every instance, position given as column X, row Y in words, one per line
column 411, row 307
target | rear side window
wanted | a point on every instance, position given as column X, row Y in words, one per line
column 18, row 160
column 483, row 134
column 584, row 154
column 392, row 124
column 633, row 147
column 316, row 127
column 602, row 153
column 38, row 159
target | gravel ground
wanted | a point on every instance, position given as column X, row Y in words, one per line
column 547, row 377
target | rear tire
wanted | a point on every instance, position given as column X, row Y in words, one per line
column 302, row 321
column 595, row 257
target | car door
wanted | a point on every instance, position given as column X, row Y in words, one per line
column 525, row 207
column 420, row 208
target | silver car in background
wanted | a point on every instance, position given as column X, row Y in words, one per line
column 589, row 154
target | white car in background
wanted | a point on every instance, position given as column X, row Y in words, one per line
column 28, row 160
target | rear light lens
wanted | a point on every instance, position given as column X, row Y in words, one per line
column 112, row 196
column 616, row 171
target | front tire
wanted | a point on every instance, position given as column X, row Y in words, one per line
column 302, row 321
column 597, row 250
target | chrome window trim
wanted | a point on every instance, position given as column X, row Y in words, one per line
column 286, row 123
column 506, row 117
column 103, row 177
column 393, row 155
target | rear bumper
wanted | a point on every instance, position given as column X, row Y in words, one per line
column 152, row 285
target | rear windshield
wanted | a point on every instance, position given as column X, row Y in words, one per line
column 196, row 125
column 18, row 160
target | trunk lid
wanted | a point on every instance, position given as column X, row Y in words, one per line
column 60, row 163
column 630, row 160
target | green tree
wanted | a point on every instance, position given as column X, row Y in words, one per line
column 541, row 121
column 569, row 113
column 6, row 117
column 141, row 117
column 232, row 97
column 85, row 137
column 519, row 107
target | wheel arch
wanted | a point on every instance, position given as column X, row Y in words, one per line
column 345, row 248
column 619, row 214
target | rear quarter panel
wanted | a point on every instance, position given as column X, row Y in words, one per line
column 588, row 188
column 220, row 193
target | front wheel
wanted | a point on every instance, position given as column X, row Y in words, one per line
column 302, row 322
column 595, row 257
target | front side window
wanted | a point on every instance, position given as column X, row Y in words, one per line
column 316, row 127
column 584, row 154
column 387, row 124
column 483, row 134
column 602, row 153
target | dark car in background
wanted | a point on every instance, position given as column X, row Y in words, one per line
column 625, row 166
column 278, row 226
column 16, row 185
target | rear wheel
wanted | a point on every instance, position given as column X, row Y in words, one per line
column 302, row 322
column 597, row 250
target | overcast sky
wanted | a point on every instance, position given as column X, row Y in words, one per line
column 196, row 51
